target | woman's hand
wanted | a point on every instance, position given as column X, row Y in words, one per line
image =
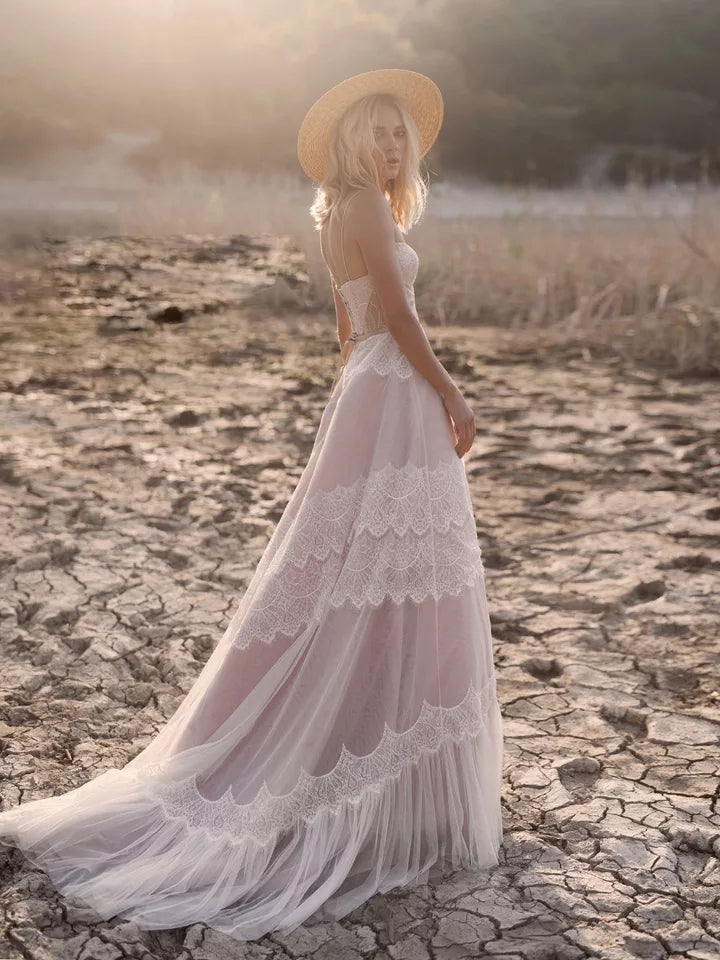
column 462, row 421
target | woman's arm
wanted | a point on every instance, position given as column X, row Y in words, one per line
column 374, row 229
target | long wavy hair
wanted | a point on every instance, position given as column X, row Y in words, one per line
column 350, row 165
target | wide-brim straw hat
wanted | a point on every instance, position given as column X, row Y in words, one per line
column 419, row 93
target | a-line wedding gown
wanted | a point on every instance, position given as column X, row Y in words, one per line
column 344, row 735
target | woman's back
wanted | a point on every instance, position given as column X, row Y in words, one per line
column 339, row 245
column 348, row 270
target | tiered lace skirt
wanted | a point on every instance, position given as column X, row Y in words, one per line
column 344, row 735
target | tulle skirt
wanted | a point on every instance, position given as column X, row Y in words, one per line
column 344, row 736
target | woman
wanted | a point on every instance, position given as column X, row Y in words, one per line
column 344, row 736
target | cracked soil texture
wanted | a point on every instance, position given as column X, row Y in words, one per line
column 158, row 406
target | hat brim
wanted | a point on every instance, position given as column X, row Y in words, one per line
column 419, row 93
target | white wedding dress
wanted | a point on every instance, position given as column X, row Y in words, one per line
column 344, row 736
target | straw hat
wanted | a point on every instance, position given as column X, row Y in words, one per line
column 420, row 94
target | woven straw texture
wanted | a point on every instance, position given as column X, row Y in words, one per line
column 421, row 95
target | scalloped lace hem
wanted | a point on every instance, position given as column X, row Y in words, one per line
column 379, row 354
column 352, row 778
column 390, row 499
column 401, row 533
column 291, row 607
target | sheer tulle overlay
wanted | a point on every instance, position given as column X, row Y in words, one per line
column 344, row 735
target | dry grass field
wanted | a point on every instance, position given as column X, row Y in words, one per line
column 616, row 273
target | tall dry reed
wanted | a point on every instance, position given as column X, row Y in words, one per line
column 638, row 280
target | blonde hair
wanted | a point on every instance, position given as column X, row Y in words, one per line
column 350, row 165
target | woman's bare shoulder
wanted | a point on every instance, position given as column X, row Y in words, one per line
column 364, row 199
column 368, row 212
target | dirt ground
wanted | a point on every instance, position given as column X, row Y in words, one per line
column 158, row 402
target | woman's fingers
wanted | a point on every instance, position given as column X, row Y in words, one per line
column 466, row 430
column 462, row 424
column 451, row 425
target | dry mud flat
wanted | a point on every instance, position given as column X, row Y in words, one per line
column 157, row 410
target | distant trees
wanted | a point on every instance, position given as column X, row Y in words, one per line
column 539, row 84
column 542, row 90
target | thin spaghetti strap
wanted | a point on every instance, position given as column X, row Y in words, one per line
column 330, row 261
column 342, row 241
column 327, row 262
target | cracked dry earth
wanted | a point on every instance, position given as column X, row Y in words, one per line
column 145, row 464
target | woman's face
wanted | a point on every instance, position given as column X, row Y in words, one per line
column 390, row 142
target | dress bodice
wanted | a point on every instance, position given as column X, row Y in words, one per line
column 361, row 301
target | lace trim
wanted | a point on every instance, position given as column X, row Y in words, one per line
column 391, row 498
column 401, row 572
column 403, row 533
column 351, row 778
column 378, row 354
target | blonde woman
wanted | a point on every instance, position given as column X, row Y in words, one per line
column 344, row 737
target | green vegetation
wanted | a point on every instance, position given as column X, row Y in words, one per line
column 539, row 91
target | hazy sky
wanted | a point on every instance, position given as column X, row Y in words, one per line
column 219, row 77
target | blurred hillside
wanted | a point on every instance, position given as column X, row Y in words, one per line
column 544, row 91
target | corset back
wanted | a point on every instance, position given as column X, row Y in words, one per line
column 358, row 293
column 361, row 300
